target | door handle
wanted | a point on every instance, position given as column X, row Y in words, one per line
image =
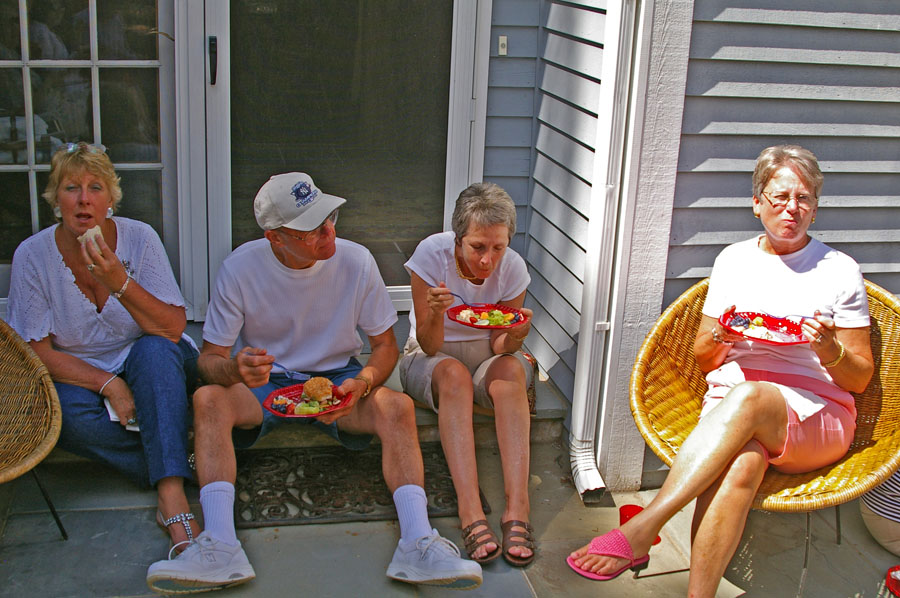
column 213, row 59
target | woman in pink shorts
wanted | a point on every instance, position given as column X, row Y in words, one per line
column 787, row 406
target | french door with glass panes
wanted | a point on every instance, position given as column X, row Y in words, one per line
column 100, row 71
column 380, row 101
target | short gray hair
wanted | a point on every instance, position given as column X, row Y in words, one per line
column 482, row 205
column 799, row 159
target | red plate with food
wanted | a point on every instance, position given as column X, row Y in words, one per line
column 763, row 328
column 486, row 315
column 317, row 396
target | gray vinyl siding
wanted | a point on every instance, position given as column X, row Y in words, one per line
column 541, row 126
column 822, row 75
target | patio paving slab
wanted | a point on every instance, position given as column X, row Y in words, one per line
column 113, row 538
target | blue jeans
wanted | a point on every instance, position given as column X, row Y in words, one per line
column 160, row 374
column 246, row 438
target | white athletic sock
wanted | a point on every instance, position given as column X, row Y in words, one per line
column 412, row 510
column 217, row 500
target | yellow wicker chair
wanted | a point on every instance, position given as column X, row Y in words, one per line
column 30, row 416
column 667, row 387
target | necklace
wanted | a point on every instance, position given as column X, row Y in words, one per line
column 460, row 272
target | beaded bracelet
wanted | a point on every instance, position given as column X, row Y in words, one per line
column 838, row 359
column 118, row 294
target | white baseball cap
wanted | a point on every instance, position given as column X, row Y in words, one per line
column 293, row 201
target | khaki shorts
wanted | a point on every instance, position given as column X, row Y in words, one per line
column 417, row 367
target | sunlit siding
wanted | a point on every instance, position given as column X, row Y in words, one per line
column 822, row 75
column 548, row 87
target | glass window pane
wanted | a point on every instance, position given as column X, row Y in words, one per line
column 360, row 103
column 15, row 213
column 142, row 197
column 45, row 214
column 127, row 29
column 12, row 119
column 129, row 114
column 58, row 29
column 62, row 108
column 10, row 40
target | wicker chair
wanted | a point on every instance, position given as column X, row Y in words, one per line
column 30, row 416
column 667, row 387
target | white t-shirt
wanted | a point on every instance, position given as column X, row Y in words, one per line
column 434, row 262
column 44, row 299
column 306, row 318
column 815, row 277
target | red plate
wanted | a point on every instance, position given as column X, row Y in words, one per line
column 295, row 391
column 454, row 311
column 789, row 331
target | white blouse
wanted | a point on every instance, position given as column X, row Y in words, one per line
column 45, row 301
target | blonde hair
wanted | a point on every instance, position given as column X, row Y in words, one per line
column 78, row 158
column 799, row 159
column 483, row 205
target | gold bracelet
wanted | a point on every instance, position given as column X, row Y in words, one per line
column 368, row 385
column 838, row 359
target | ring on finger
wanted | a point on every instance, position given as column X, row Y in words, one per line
column 90, row 267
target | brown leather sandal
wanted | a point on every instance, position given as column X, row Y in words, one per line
column 509, row 540
column 475, row 541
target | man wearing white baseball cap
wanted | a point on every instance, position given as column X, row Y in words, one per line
column 297, row 297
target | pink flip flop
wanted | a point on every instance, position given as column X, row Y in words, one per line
column 616, row 545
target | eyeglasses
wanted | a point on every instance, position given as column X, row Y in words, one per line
column 780, row 201
column 333, row 218
column 91, row 148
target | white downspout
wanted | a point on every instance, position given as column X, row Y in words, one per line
column 594, row 330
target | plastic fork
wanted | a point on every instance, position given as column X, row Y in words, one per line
column 475, row 305
column 293, row 374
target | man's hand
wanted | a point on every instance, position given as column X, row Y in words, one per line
column 352, row 389
column 253, row 366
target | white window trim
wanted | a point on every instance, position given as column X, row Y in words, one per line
column 204, row 136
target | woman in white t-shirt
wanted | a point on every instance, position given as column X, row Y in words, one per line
column 788, row 406
column 106, row 317
column 448, row 365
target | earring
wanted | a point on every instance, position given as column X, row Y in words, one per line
column 109, row 212
column 813, row 220
column 57, row 212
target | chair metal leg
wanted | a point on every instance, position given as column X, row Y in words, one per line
column 59, row 524
column 805, row 557
column 837, row 522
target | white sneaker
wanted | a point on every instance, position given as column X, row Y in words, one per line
column 434, row 560
column 206, row 564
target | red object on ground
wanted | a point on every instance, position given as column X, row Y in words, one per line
column 891, row 583
column 626, row 512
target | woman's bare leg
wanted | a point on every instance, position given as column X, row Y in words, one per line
column 750, row 411
column 451, row 383
column 506, row 387
column 719, row 519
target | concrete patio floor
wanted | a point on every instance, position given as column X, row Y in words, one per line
column 113, row 538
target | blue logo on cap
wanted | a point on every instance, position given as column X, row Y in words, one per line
column 303, row 193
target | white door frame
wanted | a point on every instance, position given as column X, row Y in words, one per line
column 204, row 134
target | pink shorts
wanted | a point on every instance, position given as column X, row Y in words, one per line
column 820, row 439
